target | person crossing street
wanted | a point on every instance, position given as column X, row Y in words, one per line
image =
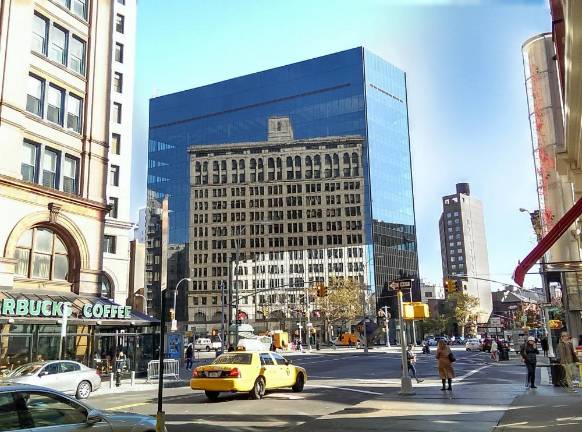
column 411, row 360
column 529, row 354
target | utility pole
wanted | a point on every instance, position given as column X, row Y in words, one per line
column 405, row 381
column 222, row 335
column 364, row 321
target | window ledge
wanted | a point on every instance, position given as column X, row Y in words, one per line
column 62, row 67
column 52, row 125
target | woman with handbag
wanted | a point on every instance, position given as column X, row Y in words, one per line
column 445, row 359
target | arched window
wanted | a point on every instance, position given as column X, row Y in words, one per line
column 234, row 171
column 106, row 287
column 279, row 169
column 308, row 167
column 297, row 167
column 199, row 317
column 261, row 175
column 198, row 166
column 42, row 254
column 327, row 171
column 289, row 168
column 253, row 166
column 355, row 164
column 241, row 174
column 215, row 166
column 271, row 165
column 317, row 167
column 346, row 165
column 205, row 167
column 336, row 168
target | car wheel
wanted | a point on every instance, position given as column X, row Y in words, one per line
column 468, row 349
column 207, row 348
column 83, row 390
column 211, row 395
column 299, row 383
column 258, row 390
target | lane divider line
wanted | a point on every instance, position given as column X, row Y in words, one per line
column 344, row 389
column 473, row 372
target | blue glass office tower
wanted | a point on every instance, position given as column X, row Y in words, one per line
column 352, row 92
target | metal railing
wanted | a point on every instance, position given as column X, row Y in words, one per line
column 171, row 369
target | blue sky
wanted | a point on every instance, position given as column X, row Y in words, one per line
column 467, row 102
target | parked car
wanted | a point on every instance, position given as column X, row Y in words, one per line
column 205, row 344
column 431, row 341
column 473, row 345
column 66, row 376
column 252, row 372
column 32, row 408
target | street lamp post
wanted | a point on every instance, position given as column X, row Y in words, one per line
column 161, row 415
column 174, row 321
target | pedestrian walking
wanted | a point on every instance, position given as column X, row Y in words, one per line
column 445, row 359
column 568, row 359
column 411, row 360
column 189, row 355
column 545, row 345
column 494, row 350
column 529, row 352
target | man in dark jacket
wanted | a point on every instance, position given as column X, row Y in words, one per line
column 528, row 353
column 189, row 355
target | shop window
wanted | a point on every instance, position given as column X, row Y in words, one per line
column 41, row 254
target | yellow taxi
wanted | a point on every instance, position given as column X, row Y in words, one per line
column 244, row 371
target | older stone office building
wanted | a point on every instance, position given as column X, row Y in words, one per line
column 55, row 81
column 292, row 208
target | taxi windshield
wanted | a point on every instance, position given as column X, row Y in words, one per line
column 234, row 358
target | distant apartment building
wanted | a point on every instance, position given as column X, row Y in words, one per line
column 464, row 247
column 116, row 255
column 289, row 211
column 430, row 291
column 55, row 108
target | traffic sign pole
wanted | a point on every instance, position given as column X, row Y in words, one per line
column 405, row 382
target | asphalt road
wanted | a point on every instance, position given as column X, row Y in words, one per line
column 336, row 382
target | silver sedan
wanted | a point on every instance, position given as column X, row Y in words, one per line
column 32, row 408
column 67, row 376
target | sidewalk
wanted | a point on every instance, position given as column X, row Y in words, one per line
column 465, row 409
column 468, row 408
column 548, row 408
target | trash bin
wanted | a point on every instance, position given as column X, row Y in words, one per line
column 557, row 372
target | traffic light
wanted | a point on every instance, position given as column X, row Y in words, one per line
column 321, row 290
column 450, row 285
column 172, row 314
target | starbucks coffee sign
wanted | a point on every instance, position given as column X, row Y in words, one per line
column 56, row 309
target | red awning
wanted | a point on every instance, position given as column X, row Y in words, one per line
column 547, row 242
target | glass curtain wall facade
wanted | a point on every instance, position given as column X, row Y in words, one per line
column 352, row 92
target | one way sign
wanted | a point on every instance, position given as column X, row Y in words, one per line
column 401, row 284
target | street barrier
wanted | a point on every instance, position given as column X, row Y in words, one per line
column 171, row 369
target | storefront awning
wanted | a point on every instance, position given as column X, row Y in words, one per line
column 547, row 242
column 51, row 305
